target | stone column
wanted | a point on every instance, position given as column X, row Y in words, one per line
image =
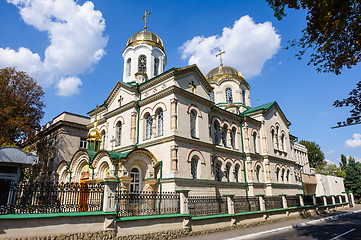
column 351, row 198
column 229, row 140
column 246, row 139
column 262, row 204
column 230, row 202
column 302, row 203
column 212, row 164
column 340, row 198
column 249, row 169
column 183, row 197
column 133, row 127
column 125, row 181
column 264, row 139
column 333, row 199
column 173, row 114
column 174, row 159
column 154, row 126
column 268, row 170
column 314, row 199
column 110, row 190
column 284, row 200
column 324, row 200
column 150, row 185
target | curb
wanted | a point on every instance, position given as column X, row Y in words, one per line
column 294, row 226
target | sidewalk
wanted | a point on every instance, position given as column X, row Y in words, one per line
column 262, row 228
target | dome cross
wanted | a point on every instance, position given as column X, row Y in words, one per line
column 220, row 56
column 145, row 19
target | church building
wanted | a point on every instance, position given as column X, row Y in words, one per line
column 162, row 130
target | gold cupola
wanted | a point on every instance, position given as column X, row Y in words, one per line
column 222, row 72
column 145, row 37
column 94, row 137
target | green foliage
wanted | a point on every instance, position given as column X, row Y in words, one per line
column 316, row 157
column 353, row 177
column 330, row 169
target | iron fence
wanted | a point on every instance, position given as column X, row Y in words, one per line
column 50, row 197
column 308, row 200
column 293, row 201
column 343, row 198
column 273, row 202
column 329, row 200
column 147, row 203
column 207, row 205
column 241, row 204
column 319, row 201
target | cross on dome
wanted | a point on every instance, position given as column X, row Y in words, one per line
column 220, row 55
column 145, row 19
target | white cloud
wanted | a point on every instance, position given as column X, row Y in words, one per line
column 68, row 86
column 76, row 40
column 354, row 142
column 330, row 152
column 329, row 162
column 247, row 45
column 357, row 159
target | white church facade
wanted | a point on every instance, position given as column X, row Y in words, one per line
column 178, row 129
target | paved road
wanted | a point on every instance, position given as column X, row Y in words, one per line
column 320, row 230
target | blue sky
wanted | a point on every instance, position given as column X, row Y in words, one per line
column 74, row 51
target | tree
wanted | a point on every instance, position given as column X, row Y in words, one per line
column 330, row 169
column 333, row 32
column 21, row 104
column 316, row 157
column 343, row 162
column 353, row 177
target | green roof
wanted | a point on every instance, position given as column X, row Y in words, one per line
column 112, row 154
column 258, row 108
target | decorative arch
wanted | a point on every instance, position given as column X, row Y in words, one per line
column 258, row 163
column 121, row 119
column 272, row 128
column 217, row 118
column 255, row 130
column 79, row 156
column 193, row 152
column 100, row 156
column 104, row 126
column 143, row 159
column 151, row 109
column 195, row 107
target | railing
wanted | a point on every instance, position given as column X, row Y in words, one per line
column 50, row 198
column 147, row 203
column 343, row 198
column 242, row 205
column 308, row 200
column 273, row 202
column 329, row 200
column 207, row 205
column 319, row 201
column 293, row 201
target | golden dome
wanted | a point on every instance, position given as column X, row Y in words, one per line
column 147, row 38
column 221, row 72
column 94, row 134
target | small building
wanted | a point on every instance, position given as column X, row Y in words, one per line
column 329, row 185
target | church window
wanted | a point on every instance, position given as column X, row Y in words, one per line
column 224, row 135
column 254, row 135
column 82, row 143
column 129, row 67
column 233, row 137
column 135, row 184
column 236, row 173
column 218, row 171
column 283, row 175
column 142, row 63
column 216, row 133
column 211, row 96
column 244, row 97
column 258, row 173
column 118, row 132
column 160, row 122
column 278, row 174
column 228, row 170
column 229, row 97
column 194, row 167
column 156, row 66
column 148, row 126
column 103, row 138
column 276, row 138
column 288, row 176
column 283, row 142
column 273, row 138
column 193, row 123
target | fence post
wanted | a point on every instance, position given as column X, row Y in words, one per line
column 351, row 198
column 183, row 198
column 230, row 202
column 262, row 204
column 314, row 199
column 324, row 200
column 300, row 196
column 284, row 200
column 340, row 198
column 110, row 190
column 333, row 199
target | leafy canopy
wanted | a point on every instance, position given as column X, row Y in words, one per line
column 21, row 104
column 316, row 157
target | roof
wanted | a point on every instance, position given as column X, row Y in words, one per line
column 112, row 154
column 17, row 156
column 258, row 108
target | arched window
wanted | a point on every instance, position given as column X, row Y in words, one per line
column 236, row 172
column 283, row 142
column 283, row 175
column 216, row 133
column 288, row 176
column 103, row 139
column 276, row 138
column 142, row 63
column 228, row 170
column 229, row 97
column 254, row 135
column 273, row 138
column 160, row 122
column 218, row 171
column 224, row 135
column 193, row 123
column 148, row 126
column 194, row 167
column 278, row 174
column 244, row 97
column 135, row 184
column 118, row 131
column 129, row 67
column 233, row 137
column 156, row 66
column 258, row 173
column 211, row 96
